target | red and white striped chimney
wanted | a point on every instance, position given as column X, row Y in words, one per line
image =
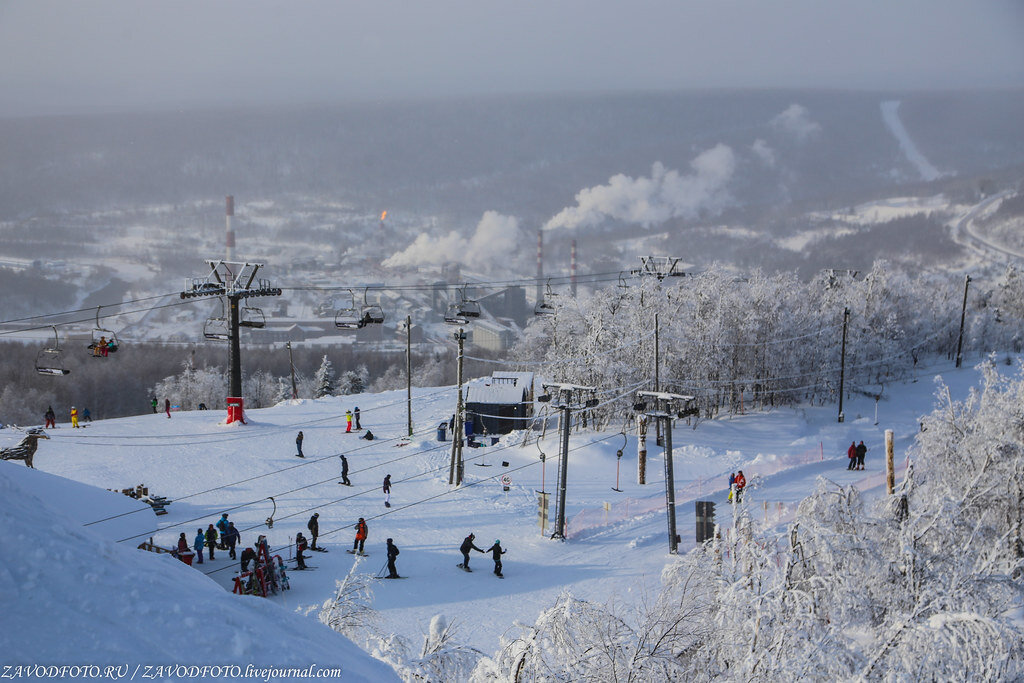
column 572, row 268
column 540, row 264
column 230, row 211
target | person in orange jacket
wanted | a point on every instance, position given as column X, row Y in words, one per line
column 360, row 537
column 741, row 482
column 851, row 453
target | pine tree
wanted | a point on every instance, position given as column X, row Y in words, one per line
column 324, row 379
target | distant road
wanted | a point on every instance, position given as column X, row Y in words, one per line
column 964, row 232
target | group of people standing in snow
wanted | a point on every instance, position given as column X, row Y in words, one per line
column 223, row 536
column 856, row 453
column 51, row 417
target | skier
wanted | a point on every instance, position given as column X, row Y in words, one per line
column 361, row 533
column 167, row 407
column 222, row 531
column 198, row 544
column 348, row 420
column 387, row 491
column 248, row 555
column 496, row 553
column 862, row 450
column 741, row 482
column 314, row 530
column 851, row 453
column 182, row 544
column 74, row 417
column 152, row 404
column 392, row 556
column 467, row 545
column 231, row 537
column 211, row 539
column 298, row 445
column 344, row 471
column 300, row 545
column 99, row 347
column 732, row 481
column 86, row 417
column 51, row 418
column 356, row 414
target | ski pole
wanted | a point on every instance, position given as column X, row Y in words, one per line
column 380, row 572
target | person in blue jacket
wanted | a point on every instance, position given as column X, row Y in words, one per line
column 198, row 545
column 222, row 530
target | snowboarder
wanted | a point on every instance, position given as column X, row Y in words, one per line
column 198, row 544
column 496, row 553
column 361, row 533
column 314, row 529
column 467, row 545
column 851, row 453
column 348, row 420
column 231, row 537
column 86, row 417
column 222, row 530
column 387, row 491
column 355, row 413
column 732, row 482
column 74, row 417
column 741, row 482
column 862, row 450
column 368, row 435
column 300, row 545
column 167, row 407
column 344, row 471
column 392, row 556
column 152, row 404
column 248, row 555
column 298, row 445
column 51, row 418
column 211, row 539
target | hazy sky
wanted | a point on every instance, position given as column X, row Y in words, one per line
column 73, row 55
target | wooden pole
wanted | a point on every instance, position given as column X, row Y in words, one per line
column 641, row 450
column 890, row 470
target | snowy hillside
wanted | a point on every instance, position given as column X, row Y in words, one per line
column 112, row 603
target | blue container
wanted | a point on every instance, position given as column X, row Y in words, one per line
column 442, row 430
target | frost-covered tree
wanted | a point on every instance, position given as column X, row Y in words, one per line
column 324, row 378
column 353, row 381
column 193, row 386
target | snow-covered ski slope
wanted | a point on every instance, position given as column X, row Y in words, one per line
column 207, row 468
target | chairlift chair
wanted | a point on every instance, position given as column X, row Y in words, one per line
column 108, row 337
column 372, row 314
column 468, row 308
column 218, row 329
column 350, row 318
column 452, row 315
column 252, row 317
column 545, row 306
column 50, row 360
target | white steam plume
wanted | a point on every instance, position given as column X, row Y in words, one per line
column 649, row 201
column 496, row 237
column 796, row 121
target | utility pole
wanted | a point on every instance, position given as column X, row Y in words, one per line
column 408, row 370
column 657, row 371
column 963, row 316
column 842, row 363
column 663, row 407
column 235, row 281
column 291, row 363
column 455, row 470
column 569, row 398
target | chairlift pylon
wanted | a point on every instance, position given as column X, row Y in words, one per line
column 218, row 329
column 350, row 318
column 50, row 360
column 102, row 337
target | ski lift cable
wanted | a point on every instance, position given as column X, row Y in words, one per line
column 428, row 499
column 90, row 318
column 260, row 476
column 558, row 361
column 81, row 310
column 755, row 344
column 486, row 284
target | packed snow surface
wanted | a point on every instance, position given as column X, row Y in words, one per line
column 77, row 596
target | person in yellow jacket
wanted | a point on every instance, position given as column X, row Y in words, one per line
column 74, row 416
column 348, row 421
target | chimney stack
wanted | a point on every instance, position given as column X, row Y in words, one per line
column 540, row 265
column 572, row 268
column 230, row 212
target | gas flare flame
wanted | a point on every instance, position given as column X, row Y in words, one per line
column 383, row 215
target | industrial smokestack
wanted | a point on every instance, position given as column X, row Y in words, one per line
column 540, row 264
column 230, row 212
column 572, row 268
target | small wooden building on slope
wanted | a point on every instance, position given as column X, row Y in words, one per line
column 500, row 403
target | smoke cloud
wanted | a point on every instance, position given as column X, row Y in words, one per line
column 648, row 201
column 764, row 152
column 496, row 237
column 796, row 121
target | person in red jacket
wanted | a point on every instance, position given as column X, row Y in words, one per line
column 360, row 537
column 741, row 482
column 851, row 453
